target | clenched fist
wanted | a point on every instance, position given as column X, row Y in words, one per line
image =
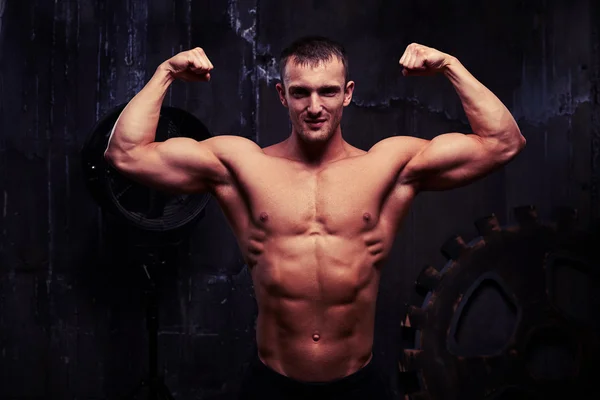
column 419, row 60
column 192, row 65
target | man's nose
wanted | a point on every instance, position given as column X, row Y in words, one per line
column 314, row 107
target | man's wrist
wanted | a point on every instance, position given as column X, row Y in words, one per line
column 164, row 73
column 450, row 63
column 454, row 70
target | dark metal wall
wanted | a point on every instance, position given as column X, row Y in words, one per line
column 71, row 322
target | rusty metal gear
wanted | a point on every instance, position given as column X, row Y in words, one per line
column 544, row 320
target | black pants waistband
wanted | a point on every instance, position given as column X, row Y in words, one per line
column 262, row 382
column 364, row 373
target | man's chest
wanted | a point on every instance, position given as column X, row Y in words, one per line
column 346, row 197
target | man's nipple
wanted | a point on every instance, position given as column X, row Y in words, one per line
column 366, row 217
column 264, row 217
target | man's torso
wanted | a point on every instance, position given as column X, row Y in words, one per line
column 315, row 240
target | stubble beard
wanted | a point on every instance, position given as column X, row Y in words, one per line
column 322, row 135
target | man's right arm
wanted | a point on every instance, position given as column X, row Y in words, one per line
column 178, row 164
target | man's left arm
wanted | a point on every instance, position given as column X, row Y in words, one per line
column 455, row 159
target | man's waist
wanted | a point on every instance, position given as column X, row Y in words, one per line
column 310, row 360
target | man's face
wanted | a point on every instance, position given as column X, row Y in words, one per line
column 315, row 97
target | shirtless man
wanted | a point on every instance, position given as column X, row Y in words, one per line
column 314, row 216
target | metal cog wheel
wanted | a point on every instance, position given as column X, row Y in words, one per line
column 532, row 337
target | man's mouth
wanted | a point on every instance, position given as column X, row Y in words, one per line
column 315, row 123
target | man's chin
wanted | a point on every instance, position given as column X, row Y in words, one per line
column 311, row 136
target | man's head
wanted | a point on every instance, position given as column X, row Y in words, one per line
column 314, row 86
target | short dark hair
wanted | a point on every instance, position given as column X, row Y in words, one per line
column 313, row 50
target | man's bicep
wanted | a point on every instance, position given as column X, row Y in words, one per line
column 449, row 161
column 181, row 165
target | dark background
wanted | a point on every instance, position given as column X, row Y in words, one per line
column 71, row 323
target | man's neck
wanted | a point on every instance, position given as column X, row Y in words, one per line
column 316, row 154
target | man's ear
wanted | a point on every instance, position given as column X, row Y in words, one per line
column 348, row 93
column 281, row 91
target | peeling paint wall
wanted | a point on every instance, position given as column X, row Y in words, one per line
column 72, row 323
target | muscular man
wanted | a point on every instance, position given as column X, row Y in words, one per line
column 314, row 216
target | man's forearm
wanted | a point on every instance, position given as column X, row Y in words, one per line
column 487, row 115
column 137, row 123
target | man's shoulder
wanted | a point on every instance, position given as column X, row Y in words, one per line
column 226, row 143
column 395, row 151
column 394, row 144
column 272, row 150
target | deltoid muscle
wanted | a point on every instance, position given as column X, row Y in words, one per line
column 514, row 314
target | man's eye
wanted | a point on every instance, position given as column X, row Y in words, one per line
column 328, row 92
column 299, row 93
